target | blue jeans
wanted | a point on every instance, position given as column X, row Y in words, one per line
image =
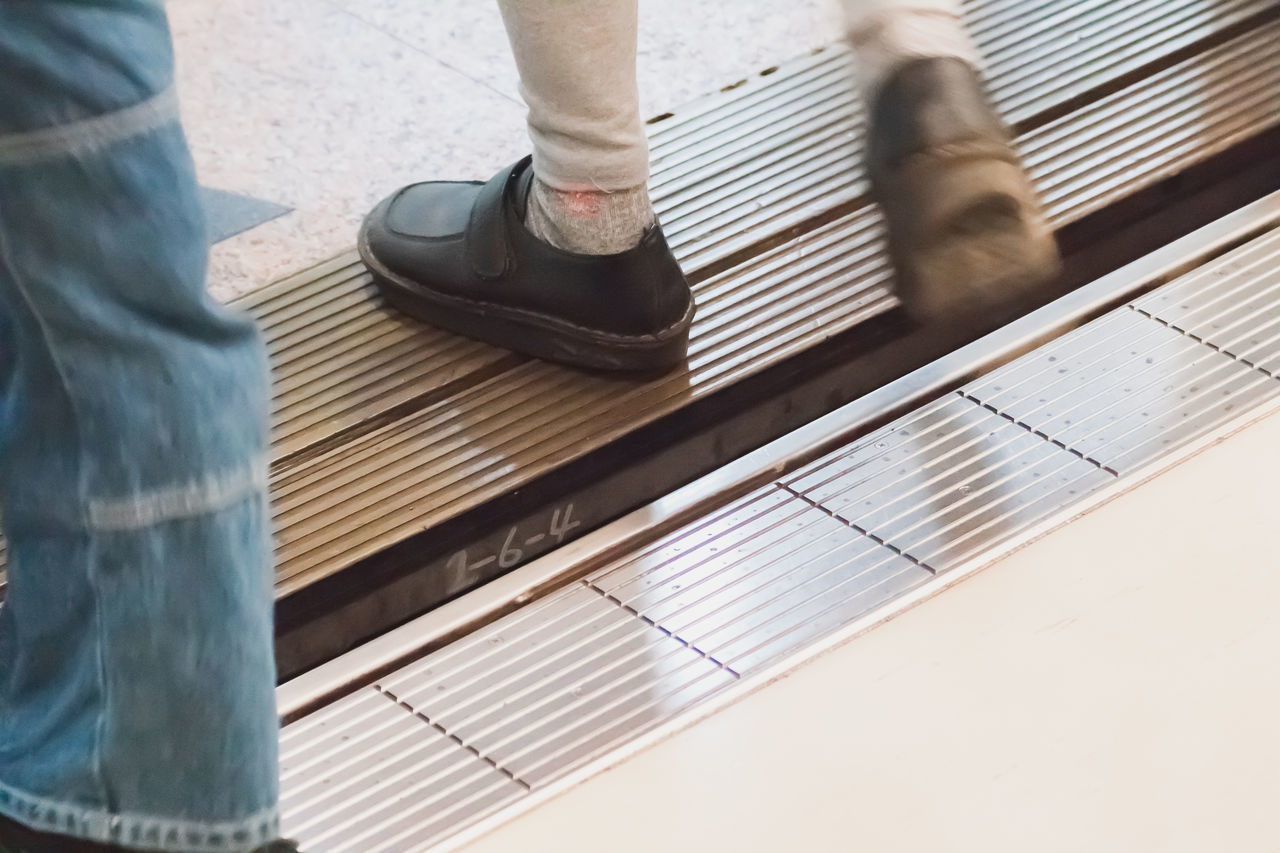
column 136, row 666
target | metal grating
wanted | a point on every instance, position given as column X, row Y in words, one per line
column 368, row 774
column 340, row 360
column 1166, row 391
column 764, row 157
column 653, row 634
column 535, row 696
column 1048, row 54
column 1089, row 159
column 952, row 481
column 770, row 156
column 1239, row 314
column 482, row 442
column 782, row 149
column 765, row 577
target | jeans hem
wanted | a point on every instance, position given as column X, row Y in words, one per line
column 145, row 832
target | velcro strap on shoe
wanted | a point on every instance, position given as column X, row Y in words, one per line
column 488, row 241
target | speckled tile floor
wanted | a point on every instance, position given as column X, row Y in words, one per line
column 325, row 106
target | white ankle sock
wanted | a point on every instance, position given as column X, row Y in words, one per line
column 588, row 222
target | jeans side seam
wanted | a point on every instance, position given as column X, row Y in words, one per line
column 189, row 500
column 20, row 149
column 82, row 486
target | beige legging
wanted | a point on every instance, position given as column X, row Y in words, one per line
column 577, row 63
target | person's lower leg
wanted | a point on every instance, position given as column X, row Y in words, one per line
column 577, row 62
column 136, row 673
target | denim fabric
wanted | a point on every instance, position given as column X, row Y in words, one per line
column 136, row 672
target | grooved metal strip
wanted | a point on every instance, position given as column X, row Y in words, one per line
column 481, row 443
column 770, row 156
column 539, row 696
column 549, row 687
column 1239, row 314
column 1082, row 163
column 986, row 20
column 949, row 482
column 789, row 147
column 341, row 359
column 1185, row 114
column 471, row 447
column 343, row 363
column 765, row 576
column 1124, row 390
column 368, row 774
column 468, row 449
column 1057, row 51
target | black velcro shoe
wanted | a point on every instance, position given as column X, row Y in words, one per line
column 457, row 255
column 966, row 232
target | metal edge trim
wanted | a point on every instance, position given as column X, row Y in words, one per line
column 352, row 670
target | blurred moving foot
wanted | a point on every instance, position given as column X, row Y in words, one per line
column 967, row 235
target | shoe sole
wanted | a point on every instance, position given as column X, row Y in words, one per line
column 531, row 333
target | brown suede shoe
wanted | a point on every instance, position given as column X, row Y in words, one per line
column 966, row 232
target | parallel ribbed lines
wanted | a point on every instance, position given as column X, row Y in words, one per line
column 1124, row 390
column 1239, row 314
column 1049, row 54
column 396, row 765
column 536, row 695
column 656, row 632
column 341, row 360
column 949, row 483
column 383, row 426
column 782, row 149
column 369, row 774
column 766, row 576
column 1185, row 114
column 484, row 441
column 766, row 158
